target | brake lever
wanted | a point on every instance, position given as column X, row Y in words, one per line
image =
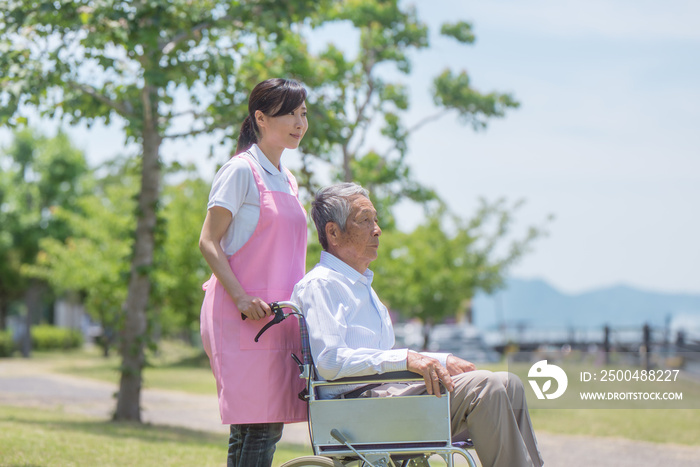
column 279, row 317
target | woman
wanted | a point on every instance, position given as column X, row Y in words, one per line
column 254, row 239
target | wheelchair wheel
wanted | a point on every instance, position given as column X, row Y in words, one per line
column 310, row 461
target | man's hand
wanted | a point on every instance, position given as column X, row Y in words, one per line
column 457, row 366
column 431, row 370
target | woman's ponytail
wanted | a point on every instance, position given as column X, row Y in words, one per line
column 247, row 136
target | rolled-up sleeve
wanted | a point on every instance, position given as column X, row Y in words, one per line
column 231, row 185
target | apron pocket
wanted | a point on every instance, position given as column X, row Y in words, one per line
column 280, row 336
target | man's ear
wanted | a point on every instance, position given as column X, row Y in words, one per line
column 332, row 233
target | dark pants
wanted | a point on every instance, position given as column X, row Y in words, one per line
column 253, row 445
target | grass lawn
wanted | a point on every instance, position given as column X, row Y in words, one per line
column 174, row 366
column 32, row 437
column 678, row 426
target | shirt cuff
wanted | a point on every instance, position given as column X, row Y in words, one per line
column 396, row 361
column 441, row 357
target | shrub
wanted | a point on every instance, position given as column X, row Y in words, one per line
column 7, row 345
column 46, row 337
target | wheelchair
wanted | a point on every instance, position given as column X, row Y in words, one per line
column 371, row 431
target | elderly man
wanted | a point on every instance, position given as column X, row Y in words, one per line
column 351, row 334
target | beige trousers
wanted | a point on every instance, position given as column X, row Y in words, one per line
column 491, row 407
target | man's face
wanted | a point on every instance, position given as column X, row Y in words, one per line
column 358, row 245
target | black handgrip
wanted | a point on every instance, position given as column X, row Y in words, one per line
column 244, row 317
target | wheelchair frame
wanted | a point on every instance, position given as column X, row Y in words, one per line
column 371, row 431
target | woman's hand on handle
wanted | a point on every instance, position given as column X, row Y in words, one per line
column 254, row 308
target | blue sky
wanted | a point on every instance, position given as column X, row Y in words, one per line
column 606, row 138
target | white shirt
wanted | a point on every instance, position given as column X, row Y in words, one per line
column 234, row 188
column 350, row 330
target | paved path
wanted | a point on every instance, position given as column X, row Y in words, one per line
column 25, row 383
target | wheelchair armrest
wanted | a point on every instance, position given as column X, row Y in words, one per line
column 389, row 377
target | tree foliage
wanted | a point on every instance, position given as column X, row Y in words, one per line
column 39, row 175
column 363, row 101
column 167, row 69
column 365, row 98
column 180, row 269
column 152, row 66
column 434, row 271
column 93, row 261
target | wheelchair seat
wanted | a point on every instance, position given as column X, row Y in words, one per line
column 394, row 423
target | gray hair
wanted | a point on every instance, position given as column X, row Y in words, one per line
column 332, row 204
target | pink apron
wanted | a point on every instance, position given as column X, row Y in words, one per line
column 258, row 382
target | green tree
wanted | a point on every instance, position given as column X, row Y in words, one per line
column 434, row 271
column 365, row 95
column 154, row 67
column 93, row 262
column 39, row 175
column 180, row 268
column 356, row 98
column 165, row 69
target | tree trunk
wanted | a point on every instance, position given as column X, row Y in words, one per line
column 32, row 300
column 347, row 168
column 133, row 334
column 469, row 311
column 3, row 314
column 427, row 328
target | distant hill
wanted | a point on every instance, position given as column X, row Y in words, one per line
column 536, row 304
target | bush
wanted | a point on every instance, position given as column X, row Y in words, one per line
column 7, row 345
column 46, row 337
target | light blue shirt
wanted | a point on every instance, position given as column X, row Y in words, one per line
column 350, row 330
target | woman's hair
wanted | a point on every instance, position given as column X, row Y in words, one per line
column 332, row 204
column 273, row 97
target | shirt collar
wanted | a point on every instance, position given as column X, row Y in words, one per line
column 264, row 161
column 339, row 266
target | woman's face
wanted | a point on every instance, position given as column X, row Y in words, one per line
column 283, row 131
